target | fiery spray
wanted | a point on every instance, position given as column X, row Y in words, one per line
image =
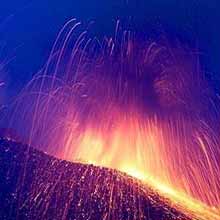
column 138, row 107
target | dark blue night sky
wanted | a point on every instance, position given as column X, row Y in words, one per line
column 28, row 29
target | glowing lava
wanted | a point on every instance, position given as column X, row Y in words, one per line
column 138, row 152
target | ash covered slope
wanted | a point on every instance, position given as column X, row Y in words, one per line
column 55, row 189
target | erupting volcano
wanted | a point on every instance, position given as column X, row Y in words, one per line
column 120, row 107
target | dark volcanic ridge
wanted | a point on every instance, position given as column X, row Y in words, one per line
column 34, row 185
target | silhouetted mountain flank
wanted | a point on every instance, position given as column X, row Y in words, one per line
column 34, row 185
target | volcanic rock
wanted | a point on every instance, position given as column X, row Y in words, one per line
column 34, row 185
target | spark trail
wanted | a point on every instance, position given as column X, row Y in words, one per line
column 143, row 108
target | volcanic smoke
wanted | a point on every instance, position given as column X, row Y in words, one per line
column 137, row 106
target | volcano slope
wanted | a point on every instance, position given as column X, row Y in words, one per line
column 34, row 185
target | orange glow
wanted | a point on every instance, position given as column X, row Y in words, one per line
column 141, row 153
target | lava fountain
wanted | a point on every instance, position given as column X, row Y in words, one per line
column 143, row 108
